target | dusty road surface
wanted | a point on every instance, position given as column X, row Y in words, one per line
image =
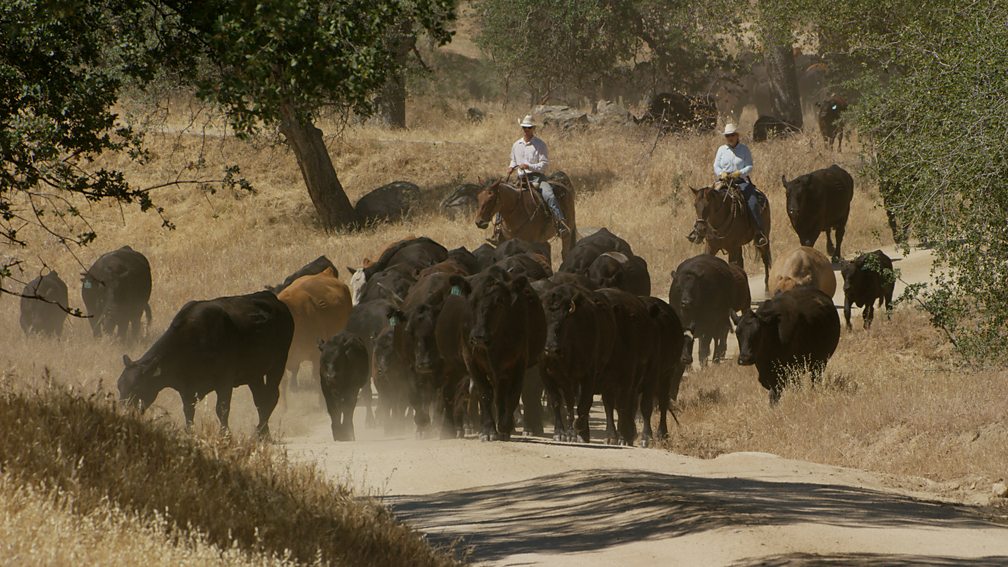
column 536, row 502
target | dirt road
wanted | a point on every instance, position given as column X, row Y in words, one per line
column 535, row 502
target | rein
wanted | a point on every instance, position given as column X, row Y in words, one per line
column 712, row 230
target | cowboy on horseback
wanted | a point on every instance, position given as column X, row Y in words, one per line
column 529, row 157
column 732, row 165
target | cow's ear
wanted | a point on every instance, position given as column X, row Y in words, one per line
column 127, row 362
column 351, row 270
column 459, row 285
column 695, row 190
column 783, row 180
column 321, row 343
column 519, row 285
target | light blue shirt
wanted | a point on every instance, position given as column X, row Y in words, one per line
column 533, row 152
column 730, row 160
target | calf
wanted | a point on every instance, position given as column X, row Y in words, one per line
column 794, row 329
column 344, row 371
column 818, row 202
column 767, row 127
column 581, row 256
column 830, row 122
column 116, row 290
column 803, row 267
column 665, row 371
column 705, row 292
column 869, row 277
column 44, row 304
column 216, row 346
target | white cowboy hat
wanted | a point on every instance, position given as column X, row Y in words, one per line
column 730, row 128
column 528, row 122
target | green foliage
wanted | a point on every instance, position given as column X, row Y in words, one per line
column 273, row 57
column 584, row 47
column 936, row 115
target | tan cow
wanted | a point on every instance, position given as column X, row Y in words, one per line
column 320, row 305
column 803, row 267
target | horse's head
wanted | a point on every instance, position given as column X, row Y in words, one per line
column 487, row 203
column 702, row 198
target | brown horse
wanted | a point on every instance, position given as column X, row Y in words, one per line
column 723, row 221
column 524, row 214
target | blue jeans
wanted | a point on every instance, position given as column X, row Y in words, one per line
column 548, row 195
column 751, row 196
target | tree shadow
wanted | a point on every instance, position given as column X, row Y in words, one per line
column 868, row 559
column 590, row 510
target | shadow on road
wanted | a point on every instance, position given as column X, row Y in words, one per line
column 590, row 510
column 869, row 559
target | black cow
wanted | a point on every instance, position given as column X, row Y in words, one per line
column 498, row 332
column 367, row 321
column 829, row 117
column 580, row 332
column 216, row 346
column 316, row 266
column 391, row 381
column 414, row 325
column 795, row 329
column 664, row 374
column 531, row 265
column 868, row 278
column 486, row 256
column 460, row 261
column 343, row 370
column 392, row 283
column 624, row 374
column 516, row 246
column 44, row 303
column 767, row 127
column 705, row 292
column 586, row 250
column 820, row 201
column 615, row 269
column 116, row 290
column 411, row 256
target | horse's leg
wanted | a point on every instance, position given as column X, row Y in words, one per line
column 735, row 257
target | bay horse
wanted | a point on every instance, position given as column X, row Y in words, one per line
column 723, row 221
column 524, row 214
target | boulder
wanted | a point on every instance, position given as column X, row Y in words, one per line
column 608, row 113
column 387, row 203
column 462, row 201
column 562, row 117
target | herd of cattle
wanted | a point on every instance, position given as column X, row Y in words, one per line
column 466, row 338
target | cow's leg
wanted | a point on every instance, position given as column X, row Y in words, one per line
column 420, row 403
column 333, row 409
column 224, row 406
column 840, row 231
column 485, row 390
column 531, row 398
column 868, row 314
column 366, row 396
column 830, row 249
column 704, row 349
column 510, row 395
column 721, row 346
column 627, row 407
column 556, row 402
column 188, row 408
column 847, row 312
column 347, row 410
column 448, row 389
column 581, row 424
column 609, row 404
column 767, row 258
column 265, row 395
column 646, row 409
column 840, row 141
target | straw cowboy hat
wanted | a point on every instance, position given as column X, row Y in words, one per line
column 730, row 128
column 528, row 122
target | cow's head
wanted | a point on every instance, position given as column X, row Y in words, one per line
column 495, row 293
column 343, row 365
column 357, row 280
column 564, row 306
column 140, row 382
column 487, row 203
column 798, row 194
column 753, row 331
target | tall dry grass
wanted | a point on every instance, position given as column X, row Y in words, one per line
column 126, row 487
column 638, row 186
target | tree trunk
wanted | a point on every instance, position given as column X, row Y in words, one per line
column 391, row 101
column 324, row 188
column 785, row 100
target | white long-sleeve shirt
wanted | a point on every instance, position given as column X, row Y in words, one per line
column 533, row 153
column 730, row 160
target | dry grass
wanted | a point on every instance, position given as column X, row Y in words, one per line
column 127, row 486
column 890, row 401
column 890, row 415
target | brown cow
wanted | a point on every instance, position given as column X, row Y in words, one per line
column 803, row 267
column 320, row 305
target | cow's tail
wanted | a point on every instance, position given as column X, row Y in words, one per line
column 674, row 418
